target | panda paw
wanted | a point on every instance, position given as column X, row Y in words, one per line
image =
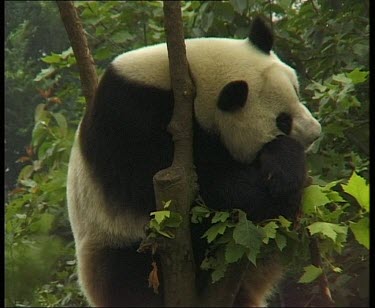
column 282, row 166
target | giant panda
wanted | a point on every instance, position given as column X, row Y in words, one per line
column 251, row 133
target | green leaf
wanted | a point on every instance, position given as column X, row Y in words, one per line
column 167, row 204
column 285, row 223
column 61, row 122
column 313, row 197
column 334, row 196
column 341, row 78
column 39, row 133
column 25, row 173
column 361, row 231
column 358, row 76
column 43, row 224
column 327, row 229
column 280, row 241
column 40, row 113
column 270, row 231
column 214, row 231
column 234, row 252
column 173, row 221
column 29, row 183
column 220, row 217
column 337, row 269
column 318, row 86
column 198, row 213
column 199, row 210
column 67, row 53
column 167, row 234
column 247, row 234
column 218, row 272
column 45, row 73
column 311, row 273
column 160, row 216
column 358, row 188
column 54, row 58
column 156, row 228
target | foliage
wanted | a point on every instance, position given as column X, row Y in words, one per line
column 31, row 29
column 329, row 213
column 327, row 43
column 164, row 222
column 18, row 107
column 39, row 255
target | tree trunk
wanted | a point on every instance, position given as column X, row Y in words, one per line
column 177, row 183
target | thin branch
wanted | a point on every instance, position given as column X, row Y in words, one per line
column 78, row 40
column 316, row 260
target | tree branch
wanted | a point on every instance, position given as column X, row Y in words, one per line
column 316, row 260
column 177, row 183
column 78, row 40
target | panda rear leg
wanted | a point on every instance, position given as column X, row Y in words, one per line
column 258, row 284
column 116, row 277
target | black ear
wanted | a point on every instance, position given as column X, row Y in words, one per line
column 261, row 35
column 233, row 96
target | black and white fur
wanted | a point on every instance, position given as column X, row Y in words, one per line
column 250, row 134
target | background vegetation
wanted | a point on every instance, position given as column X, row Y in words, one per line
column 325, row 40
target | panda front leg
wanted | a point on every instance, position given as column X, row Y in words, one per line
column 282, row 166
column 270, row 186
column 115, row 276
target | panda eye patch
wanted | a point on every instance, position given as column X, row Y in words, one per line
column 284, row 123
column 233, row 96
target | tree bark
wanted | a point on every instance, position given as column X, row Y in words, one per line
column 78, row 40
column 178, row 182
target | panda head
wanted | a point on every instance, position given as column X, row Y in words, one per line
column 246, row 95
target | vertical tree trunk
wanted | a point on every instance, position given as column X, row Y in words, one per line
column 177, row 183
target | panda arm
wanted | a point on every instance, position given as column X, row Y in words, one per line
column 282, row 166
column 270, row 186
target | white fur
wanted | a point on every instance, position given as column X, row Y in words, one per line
column 90, row 218
column 216, row 61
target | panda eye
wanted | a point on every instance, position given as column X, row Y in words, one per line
column 284, row 123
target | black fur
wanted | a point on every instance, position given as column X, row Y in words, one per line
column 119, row 278
column 261, row 35
column 124, row 139
column 270, row 186
column 233, row 96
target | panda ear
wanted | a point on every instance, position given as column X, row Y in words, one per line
column 261, row 35
column 233, row 96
